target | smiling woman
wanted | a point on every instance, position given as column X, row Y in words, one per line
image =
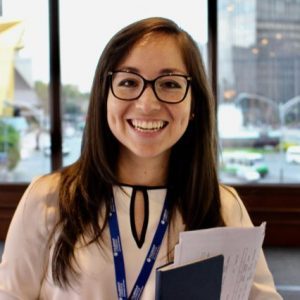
column 168, row 109
column 93, row 42
column 146, row 172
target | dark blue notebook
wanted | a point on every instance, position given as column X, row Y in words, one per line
column 196, row 281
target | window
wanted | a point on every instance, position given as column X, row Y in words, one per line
column 24, row 109
column 259, row 89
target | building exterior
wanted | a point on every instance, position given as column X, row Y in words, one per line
column 10, row 43
column 259, row 54
column 16, row 85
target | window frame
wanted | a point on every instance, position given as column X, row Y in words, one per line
column 277, row 204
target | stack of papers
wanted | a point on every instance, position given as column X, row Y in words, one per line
column 240, row 248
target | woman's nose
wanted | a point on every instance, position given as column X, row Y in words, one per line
column 148, row 101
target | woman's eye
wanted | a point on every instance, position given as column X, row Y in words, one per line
column 128, row 83
column 170, row 85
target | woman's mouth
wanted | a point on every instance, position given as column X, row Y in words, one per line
column 147, row 126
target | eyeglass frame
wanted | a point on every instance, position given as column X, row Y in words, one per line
column 152, row 84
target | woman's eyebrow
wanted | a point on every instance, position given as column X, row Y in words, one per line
column 160, row 72
column 171, row 70
column 129, row 69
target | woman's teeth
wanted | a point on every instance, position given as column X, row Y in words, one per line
column 147, row 125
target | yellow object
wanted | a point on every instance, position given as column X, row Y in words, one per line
column 11, row 32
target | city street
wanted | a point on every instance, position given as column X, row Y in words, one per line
column 279, row 171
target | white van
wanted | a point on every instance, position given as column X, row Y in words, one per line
column 245, row 165
column 293, row 154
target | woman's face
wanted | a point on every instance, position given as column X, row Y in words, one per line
column 147, row 127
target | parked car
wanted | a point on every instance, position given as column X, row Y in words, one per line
column 293, row 154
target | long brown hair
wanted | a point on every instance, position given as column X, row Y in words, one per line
column 86, row 185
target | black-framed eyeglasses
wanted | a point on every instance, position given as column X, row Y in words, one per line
column 169, row 88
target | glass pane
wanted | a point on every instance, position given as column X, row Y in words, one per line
column 85, row 32
column 24, row 69
column 259, row 90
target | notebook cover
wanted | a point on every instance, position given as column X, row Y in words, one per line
column 196, row 281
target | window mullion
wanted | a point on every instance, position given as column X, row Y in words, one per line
column 54, row 87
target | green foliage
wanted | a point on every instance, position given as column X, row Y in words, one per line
column 9, row 143
column 42, row 91
column 70, row 92
column 72, row 109
column 72, row 98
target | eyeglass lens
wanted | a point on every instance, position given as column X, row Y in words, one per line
column 168, row 88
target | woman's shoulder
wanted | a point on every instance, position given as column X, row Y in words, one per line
column 39, row 203
column 233, row 210
column 44, row 188
column 229, row 196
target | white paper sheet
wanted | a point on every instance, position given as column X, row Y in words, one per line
column 240, row 246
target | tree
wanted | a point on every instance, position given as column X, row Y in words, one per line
column 42, row 91
column 9, row 144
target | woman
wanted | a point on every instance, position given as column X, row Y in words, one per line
column 148, row 155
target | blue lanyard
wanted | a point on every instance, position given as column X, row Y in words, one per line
column 149, row 260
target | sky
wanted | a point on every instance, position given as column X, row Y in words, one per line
column 86, row 26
